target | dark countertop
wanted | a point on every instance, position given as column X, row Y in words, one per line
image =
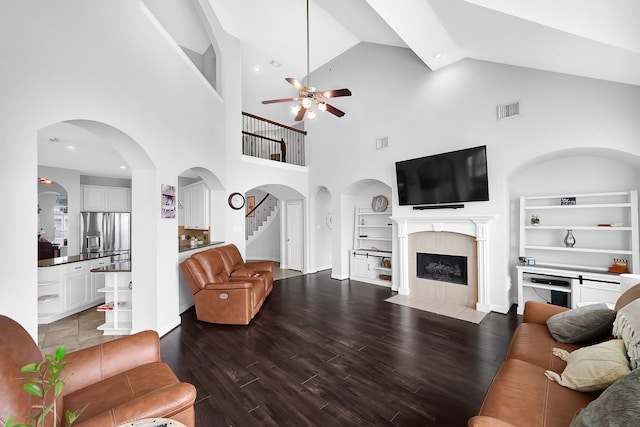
column 118, row 267
column 184, row 247
column 50, row 262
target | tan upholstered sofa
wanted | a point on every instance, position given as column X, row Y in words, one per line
column 520, row 394
column 119, row 381
column 225, row 288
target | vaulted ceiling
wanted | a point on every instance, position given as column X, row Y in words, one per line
column 589, row 38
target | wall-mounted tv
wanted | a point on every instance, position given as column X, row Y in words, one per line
column 447, row 178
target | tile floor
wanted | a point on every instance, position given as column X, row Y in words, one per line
column 439, row 307
column 80, row 331
column 73, row 332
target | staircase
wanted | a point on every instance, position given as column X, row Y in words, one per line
column 258, row 218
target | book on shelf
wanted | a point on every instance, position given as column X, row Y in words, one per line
column 109, row 306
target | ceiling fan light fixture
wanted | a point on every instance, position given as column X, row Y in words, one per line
column 307, row 95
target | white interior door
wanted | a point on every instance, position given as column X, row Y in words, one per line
column 294, row 238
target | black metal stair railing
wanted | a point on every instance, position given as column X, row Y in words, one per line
column 271, row 140
column 259, row 215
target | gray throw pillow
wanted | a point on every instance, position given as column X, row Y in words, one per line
column 582, row 324
column 617, row 406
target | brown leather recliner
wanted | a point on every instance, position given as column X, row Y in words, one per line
column 227, row 290
column 237, row 268
column 120, row 381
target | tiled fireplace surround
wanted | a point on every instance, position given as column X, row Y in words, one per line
column 452, row 235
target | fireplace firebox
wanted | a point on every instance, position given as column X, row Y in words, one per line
column 444, row 268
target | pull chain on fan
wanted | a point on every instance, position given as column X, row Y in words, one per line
column 308, row 96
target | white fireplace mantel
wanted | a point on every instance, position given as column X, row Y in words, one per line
column 472, row 225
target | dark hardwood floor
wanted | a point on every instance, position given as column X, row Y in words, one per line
column 323, row 352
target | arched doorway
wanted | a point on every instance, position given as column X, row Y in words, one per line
column 77, row 152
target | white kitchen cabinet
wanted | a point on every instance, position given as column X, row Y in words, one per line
column 96, row 198
column 50, row 293
column 371, row 252
column 195, row 200
column 118, row 199
column 67, row 289
column 605, row 228
column 98, row 279
column 77, row 283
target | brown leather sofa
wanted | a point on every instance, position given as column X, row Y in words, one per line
column 120, row 381
column 520, row 394
column 226, row 289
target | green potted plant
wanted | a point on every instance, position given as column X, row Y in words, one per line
column 45, row 381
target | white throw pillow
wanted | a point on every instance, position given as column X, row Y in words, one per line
column 592, row 368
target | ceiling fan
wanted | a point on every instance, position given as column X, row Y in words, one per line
column 308, row 96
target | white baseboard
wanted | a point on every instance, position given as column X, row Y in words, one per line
column 339, row 277
column 164, row 330
column 185, row 307
column 263, row 258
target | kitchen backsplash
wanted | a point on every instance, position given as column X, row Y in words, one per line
column 193, row 233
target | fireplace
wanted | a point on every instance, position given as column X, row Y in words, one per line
column 411, row 230
column 444, row 268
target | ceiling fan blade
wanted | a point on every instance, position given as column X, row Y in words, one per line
column 300, row 114
column 335, row 93
column 296, row 84
column 273, row 101
column 333, row 110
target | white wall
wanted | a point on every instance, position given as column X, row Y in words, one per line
column 322, row 230
column 424, row 112
column 128, row 76
column 135, row 86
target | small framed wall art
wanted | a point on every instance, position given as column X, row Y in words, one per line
column 168, row 201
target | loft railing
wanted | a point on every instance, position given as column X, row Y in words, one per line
column 271, row 140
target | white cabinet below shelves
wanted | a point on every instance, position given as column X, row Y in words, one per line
column 96, row 198
column 367, row 267
column 582, row 287
column 195, row 200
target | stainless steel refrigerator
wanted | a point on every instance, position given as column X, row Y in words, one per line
column 105, row 231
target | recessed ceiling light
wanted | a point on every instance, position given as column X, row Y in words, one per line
column 437, row 55
column 123, row 167
column 71, row 148
column 256, row 69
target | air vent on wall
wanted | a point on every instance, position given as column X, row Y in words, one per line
column 382, row 143
column 511, row 109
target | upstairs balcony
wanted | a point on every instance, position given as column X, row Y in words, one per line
column 272, row 141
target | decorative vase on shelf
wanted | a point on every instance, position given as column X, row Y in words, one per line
column 569, row 240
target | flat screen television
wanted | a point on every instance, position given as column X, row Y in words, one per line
column 447, row 178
